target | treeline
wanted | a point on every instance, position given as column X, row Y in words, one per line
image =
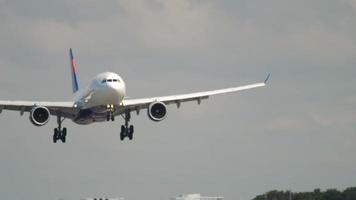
column 317, row 194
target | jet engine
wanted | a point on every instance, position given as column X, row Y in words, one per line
column 39, row 115
column 157, row 111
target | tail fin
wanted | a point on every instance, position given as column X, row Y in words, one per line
column 73, row 67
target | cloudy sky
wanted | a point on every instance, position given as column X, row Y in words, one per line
column 298, row 133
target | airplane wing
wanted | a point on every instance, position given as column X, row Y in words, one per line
column 66, row 109
column 138, row 104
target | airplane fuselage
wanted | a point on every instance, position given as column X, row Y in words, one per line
column 105, row 89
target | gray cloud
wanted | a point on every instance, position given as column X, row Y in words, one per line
column 297, row 133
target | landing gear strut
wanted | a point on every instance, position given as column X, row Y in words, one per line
column 59, row 133
column 127, row 130
column 110, row 112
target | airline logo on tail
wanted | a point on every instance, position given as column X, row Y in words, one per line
column 73, row 66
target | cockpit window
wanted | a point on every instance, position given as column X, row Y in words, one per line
column 110, row 80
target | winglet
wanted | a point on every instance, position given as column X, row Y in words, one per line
column 73, row 66
column 267, row 78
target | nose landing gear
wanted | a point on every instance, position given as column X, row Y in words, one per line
column 110, row 112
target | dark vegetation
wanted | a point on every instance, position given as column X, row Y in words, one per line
column 317, row 194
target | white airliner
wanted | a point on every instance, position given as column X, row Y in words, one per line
column 102, row 100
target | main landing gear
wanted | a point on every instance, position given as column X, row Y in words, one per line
column 110, row 112
column 127, row 130
column 59, row 133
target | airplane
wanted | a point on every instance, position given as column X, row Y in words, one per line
column 102, row 100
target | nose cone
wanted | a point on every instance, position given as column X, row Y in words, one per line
column 111, row 87
column 116, row 92
column 118, row 88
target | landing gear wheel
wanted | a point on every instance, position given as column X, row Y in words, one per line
column 122, row 133
column 63, row 135
column 131, row 131
column 55, row 135
column 63, row 138
column 108, row 117
column 64, row 132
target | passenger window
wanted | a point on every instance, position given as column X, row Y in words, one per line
column 109, row 80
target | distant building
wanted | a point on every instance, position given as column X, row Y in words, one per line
column 195, row 197
column 103, row 199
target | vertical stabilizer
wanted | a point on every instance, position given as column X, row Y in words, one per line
column 73, row 67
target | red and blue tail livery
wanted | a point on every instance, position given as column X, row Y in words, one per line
column 73, row 66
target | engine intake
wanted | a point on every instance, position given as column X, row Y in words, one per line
column 157, row 111
column 39, row 115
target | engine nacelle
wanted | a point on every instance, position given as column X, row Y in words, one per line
column 157, row 111
column 39, row 115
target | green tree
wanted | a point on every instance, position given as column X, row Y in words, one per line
column 349, row 193
column 317, row 194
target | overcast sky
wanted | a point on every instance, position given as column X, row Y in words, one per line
column 298, row 133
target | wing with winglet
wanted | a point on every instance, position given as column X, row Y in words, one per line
column 138, row 104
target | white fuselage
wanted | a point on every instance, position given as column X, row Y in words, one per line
column 105, row 89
